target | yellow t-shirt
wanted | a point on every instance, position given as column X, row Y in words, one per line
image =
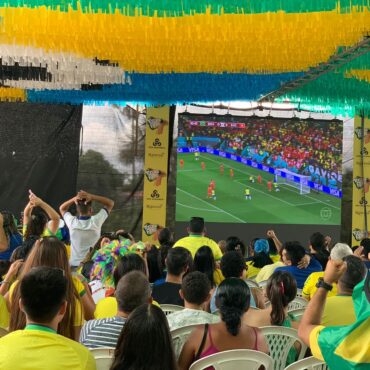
column 251, row 270
column 107, row 307
column 4, row 313
column 78, row 317
column 275, row 257
column 193, row 242
column 218, row 277
column 309, row 288
column 267, row 271
column 38, row 347
column 338, row 311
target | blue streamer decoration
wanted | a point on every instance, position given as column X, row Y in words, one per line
column 175, row 88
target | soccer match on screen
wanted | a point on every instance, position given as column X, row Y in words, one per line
column 259, row 170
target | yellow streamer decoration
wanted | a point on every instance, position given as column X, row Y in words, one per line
column 253, row 43
column 362, row 75
column 12, row 94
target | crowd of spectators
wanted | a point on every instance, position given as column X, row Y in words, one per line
column 60, row 300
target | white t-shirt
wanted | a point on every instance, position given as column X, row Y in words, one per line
column 84, row 233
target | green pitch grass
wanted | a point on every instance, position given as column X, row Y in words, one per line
column 284, row 207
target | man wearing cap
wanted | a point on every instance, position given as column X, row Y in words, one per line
column 197, row 239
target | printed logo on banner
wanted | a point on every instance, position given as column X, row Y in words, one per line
column 358, row 132
column 360, row 183
column 151, row 229
column 359, row 234
column 155, row 194
column 363, row 201
column 157, row 124
column 157, row 142
column 154, row 176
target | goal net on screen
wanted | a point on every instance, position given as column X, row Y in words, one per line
column 292, row 179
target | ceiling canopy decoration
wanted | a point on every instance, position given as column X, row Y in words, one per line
column 167, row 51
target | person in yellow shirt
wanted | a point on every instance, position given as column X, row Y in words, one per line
column 43, row 299
column 338, row 252
column 197, row 239
column 339, row 310
column 260, row 258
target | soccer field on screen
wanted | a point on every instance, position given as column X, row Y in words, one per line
column 286, row 206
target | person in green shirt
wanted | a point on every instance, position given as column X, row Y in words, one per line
column 344, row 347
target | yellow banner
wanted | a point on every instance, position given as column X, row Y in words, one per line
column 155, row 172
column 361, row 180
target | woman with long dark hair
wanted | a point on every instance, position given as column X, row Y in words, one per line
column 51, row 252
column 204, row 261
column 232, row 300
column 233, row 243
column 9, row 236
column 281, row 289
column 145, row 342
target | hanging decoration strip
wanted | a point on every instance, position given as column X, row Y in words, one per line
column 173, row 88
column 251, row 43
column 171, row 8
column 12, row 94
column 345, row 91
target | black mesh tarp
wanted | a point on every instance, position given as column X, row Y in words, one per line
column 39, row 150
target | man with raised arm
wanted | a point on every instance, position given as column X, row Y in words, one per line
column 85, row 228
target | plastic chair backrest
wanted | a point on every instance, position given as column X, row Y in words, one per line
column 103, row 362
column 180, row 336
column 297, row 313
column 299, row 293
column 280, row 340
column 262, row 284
column 170, row 308
column 252, row 283
column 297, row 302
column 310, row 363
column 235, row 359
column 102, row 351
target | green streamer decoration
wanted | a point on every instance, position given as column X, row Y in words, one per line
column 175, row 8
column 337, row 92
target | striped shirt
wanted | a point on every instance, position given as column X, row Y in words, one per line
column 102, row 332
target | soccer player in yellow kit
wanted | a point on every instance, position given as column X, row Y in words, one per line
column 247, row 193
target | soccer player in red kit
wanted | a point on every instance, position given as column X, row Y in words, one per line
column 203, row 166
column 222, row 169
column 259, row 179
column 231, row 173
column 212, row 184
column 209, row 192
column 269, row 185
column 181, row 163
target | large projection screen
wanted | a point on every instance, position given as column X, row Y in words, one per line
column 254, row 173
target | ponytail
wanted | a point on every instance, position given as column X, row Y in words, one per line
column 281, row 289
column 233, row 298
column 232, row 317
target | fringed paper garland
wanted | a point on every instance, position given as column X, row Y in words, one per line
column 173, row 8
column 12, row 94
column 173, row 88
column 251, row 43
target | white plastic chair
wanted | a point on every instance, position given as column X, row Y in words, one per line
column 180, row 336
column 297, row 313
column 252, row 283
column 235, row 359
column 103, row 362
column 310, row 363
column 297, row 302
column 299, row 293
column 170, row 308
column 262, row 284
column 280, row 340
column 102, row 352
